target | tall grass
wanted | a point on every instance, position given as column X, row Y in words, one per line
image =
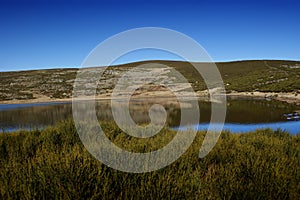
column 53, row 164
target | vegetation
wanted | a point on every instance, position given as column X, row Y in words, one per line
column 53, row 164
column 247, row 76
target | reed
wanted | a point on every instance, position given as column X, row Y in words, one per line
column 53, row 164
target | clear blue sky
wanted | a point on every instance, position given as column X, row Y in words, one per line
column 49, row 34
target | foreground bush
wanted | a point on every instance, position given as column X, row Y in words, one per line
column 53, row 164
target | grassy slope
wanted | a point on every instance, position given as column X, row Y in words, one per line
column 266, row 76
column 255, row 75
column 53, row 164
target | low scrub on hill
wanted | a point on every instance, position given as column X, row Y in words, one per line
column 241, row 76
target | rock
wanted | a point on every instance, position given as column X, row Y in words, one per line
column 268, row 96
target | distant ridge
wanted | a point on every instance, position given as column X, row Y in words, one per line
column 240, row 76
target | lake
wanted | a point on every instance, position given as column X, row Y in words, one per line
column 243, row 115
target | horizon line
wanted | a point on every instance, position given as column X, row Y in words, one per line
column 137, row 61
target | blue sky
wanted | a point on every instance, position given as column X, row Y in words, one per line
column 50, row 34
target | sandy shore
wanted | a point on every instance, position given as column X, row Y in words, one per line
column 281, row 96
column 202, row 95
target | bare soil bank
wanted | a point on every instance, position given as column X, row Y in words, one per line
column 202, row 95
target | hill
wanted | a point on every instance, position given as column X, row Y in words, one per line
column 239, row 76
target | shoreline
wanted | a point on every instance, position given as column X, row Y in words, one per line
column 203, row 95
column 289, row 97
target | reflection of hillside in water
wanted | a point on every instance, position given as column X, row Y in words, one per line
column 257, row 111
column 238, row 111
column 34, row 116
column 139, row 110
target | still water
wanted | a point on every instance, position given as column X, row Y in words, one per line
column 243, row 115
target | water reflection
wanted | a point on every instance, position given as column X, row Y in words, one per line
column 292, row 127
column 239, row 111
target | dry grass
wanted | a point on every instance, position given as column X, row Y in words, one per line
column 52, row 164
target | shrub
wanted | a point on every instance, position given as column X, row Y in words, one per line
column 53, row 163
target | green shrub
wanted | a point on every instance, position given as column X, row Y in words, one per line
column 53, row 164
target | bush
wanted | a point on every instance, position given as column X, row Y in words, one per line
column 53, row 164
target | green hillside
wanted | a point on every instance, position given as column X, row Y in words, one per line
column 256, row 75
